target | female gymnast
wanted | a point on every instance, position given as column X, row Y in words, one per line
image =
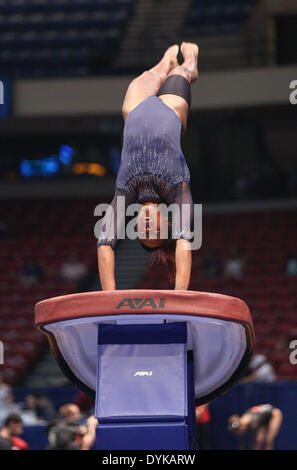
column 153, row 169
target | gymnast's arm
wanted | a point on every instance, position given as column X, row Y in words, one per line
column 183, row 254
column 183, row 262
column 113, row 220
column 106, row 262
column 106, row 243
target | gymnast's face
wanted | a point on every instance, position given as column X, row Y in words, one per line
column 149, row 223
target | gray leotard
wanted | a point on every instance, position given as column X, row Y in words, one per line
column 153, row 167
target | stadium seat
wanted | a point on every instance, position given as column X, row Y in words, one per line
column 32, row 34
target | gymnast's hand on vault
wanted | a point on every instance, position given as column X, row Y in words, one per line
column 106, row 262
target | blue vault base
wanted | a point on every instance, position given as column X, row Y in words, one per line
column 145, row 388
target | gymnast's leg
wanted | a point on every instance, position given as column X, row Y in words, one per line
column 149, row 82
column 176, row 89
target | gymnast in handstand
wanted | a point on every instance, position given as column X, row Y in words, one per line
column 153, row 169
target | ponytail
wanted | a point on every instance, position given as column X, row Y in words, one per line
column 164, row 256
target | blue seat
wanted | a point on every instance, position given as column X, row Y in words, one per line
column 208, row 17
column 29, row 27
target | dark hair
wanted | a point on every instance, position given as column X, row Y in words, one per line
column 13, row 418
column 163, row 255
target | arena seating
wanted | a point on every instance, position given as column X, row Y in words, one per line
column 76, row 38
column 209, row 17
column 56, row 37
column 264, row 239
column 48, row 231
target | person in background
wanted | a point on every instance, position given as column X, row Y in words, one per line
column 29, row 411
column 31, row 273
column 263, row 421
column 63, row 436
column 234, row 265
column 73, row 270
column 5, row 444
column 10, row 432
column 87, row 428
column 71, row 412
column 44, row 408
column 203, row 426
column 9, row 407
column 72, row 431
column 260, row 370
column 291, row 265
column 67, row 431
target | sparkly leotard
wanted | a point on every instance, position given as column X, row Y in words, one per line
column 153, row 167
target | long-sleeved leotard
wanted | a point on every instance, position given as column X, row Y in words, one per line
column 153, row 168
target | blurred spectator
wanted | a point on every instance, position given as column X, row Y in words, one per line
column 5, row 390
column 66, row 432
column 263, row 421
column 73, row 270
column 291, row 265
column 13, row 427
column 5, row 444
column 44, row 408
column 211, row 266
column 9, row 407
column 31, row 273
column 234, row 265
column 203, row 426
column 260, row 370
column 72, row 431
column 71, row 413
column 3, row 230
column 63, row 436
column 29, row 411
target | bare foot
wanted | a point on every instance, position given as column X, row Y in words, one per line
column 190, row 53
column 171, row 56
column 167, row 63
